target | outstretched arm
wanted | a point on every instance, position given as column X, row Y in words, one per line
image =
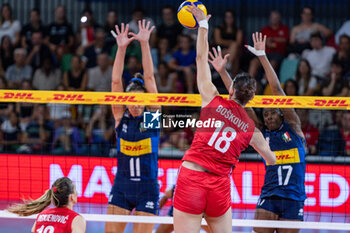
column 259, row 50
column 206, row 88
column 219, row 63
column 117, row 83
column 148, row 73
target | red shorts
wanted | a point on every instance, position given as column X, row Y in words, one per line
column 202, row 192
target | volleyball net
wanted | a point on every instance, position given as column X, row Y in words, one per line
column 47, row 135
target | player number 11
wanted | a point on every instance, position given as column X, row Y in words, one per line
column 224, row 147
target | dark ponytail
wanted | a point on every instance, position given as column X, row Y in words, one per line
column 245, row 87
column 136, row 84
column 58, row 194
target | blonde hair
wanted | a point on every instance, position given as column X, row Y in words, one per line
column 58, row 194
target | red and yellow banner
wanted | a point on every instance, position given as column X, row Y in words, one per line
column 194, row 100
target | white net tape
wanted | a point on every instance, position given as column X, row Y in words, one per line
column 235, row 222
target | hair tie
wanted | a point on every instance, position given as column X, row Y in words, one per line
column 137, row 79
column 54, row 189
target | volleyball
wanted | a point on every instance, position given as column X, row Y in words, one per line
column 186, row 18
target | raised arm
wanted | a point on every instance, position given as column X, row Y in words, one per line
column 117, row 83
column 219, row 64
column 206, row 88
column 290, row 116
column 147, row 63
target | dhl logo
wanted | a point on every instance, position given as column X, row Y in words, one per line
column 277, row 101
column 330, row 103
column 172, row 99
column 287, row 156
column 68, row 97
column 122, row 99
column 136, row 148
column 25, row 96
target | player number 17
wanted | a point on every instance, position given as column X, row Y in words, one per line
column 289, row 173
column 227, row 140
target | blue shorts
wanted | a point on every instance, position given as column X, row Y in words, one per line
column 141, row 196
column 283, row 207
column 171, row 211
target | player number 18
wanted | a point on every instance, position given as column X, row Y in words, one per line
column 222, row 147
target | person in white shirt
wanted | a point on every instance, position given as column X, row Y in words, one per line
column 320, row 57
column 100, row 77
column 343, row 30
column 9, row 26
column 18, row 71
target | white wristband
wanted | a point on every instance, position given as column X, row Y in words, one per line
column 204, row 24
column 256, row 52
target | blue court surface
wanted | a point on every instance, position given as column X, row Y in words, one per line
column 24, row 225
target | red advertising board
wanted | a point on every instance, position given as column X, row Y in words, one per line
column 23, row 176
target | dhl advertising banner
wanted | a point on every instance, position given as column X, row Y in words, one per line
column 259, row 101
column 24, row 176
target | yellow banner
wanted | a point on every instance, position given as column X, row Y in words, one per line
column 259, row 101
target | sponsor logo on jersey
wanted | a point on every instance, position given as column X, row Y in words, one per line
column 136, row 148
column 150, row 205
column 287, row 156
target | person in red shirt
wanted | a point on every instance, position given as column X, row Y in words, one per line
column 62, row 218
column 203, row 183
column 345, row 131
column 276, row 44
column 311, row 132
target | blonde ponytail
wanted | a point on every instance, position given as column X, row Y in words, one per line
column 30, row 207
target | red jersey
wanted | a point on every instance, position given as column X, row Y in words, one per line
column 55, row 220
column 311, row 134
column 282, row 32
column 218, row 147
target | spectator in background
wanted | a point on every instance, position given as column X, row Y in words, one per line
column 306, row 81
column 18, row 71
column 6, row 54
column 100, row 77
column 291, row 87
column 230, row 38
column 8, row 25
column 161, row 53
column 34, row 24
column 301, row 34
column 25, row 109
column 336, row 85
column 138, row 14
column 60, row 36
column 88, row 26
column 100, row 131
column 166, row 82
column 277, row 38
column 47, row 77
column 170, row 27
column 10, row 134
column 133, row 66
column 345, row 131
column 67, row 138
column 343, row 30
column 34, row 137
column 111, row 21
column 184, row 61
column 99, row 46
column 320, row 57
column 75, row 79
column 311, row 132
column 37, row 51
column 5, row 108
column 343, row 55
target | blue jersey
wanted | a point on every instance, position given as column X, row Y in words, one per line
column 287, row 177
column 137, row 151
